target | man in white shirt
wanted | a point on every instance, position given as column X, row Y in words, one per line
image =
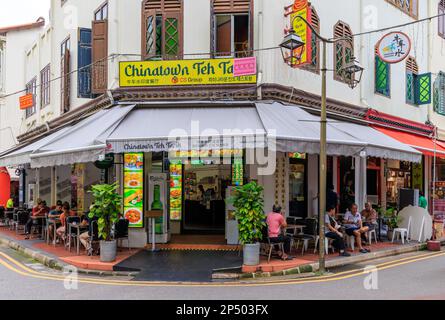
column 353, row 224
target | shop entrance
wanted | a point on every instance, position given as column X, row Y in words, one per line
column 204, row 198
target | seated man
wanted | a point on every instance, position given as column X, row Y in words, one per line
column 369, row 216
column 85, row 237
column 61, row 231
column 331, row 232
column 38, row 211
column 354, row 227
column 53, row 214
column 275, row 223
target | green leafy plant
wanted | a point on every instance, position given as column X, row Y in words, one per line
column 393, row 220
column 249, row 210
column 106, row 208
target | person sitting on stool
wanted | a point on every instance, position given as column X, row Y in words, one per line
column 275, row 223
column 331, row 232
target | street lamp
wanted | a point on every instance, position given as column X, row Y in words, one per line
column 352, row 74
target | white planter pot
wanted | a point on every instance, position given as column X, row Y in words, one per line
column 251, row 254
column 108, row 251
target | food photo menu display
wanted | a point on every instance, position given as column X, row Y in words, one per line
column 134, row 189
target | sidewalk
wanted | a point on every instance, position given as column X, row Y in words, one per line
column 57, row 256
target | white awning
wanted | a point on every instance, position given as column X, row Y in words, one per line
column 83, row 142
column 22, row 155
column 153, row 129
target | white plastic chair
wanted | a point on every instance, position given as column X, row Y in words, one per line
column 327, row 244
column 370, row 233
column 402, row 232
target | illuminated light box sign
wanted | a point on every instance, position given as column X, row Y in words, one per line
column 186, row 72
column 134, row 189
column 176, row 191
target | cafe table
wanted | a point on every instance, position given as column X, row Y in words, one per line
column 79, row 227
column 296, row 227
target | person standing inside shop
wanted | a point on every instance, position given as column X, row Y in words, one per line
column 423, row 203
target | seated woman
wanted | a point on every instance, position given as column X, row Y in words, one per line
column 331, row 232
column 66, row 212
column 275, row 223
column 54, row 214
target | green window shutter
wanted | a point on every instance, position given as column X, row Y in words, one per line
column 410, row 87
column 382, row 77
column 338, row 58
column 439, row 94
column 423, row 89
column 172, row 34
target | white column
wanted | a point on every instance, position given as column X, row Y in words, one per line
column 335, row 174
column 37, row 191
column 53, row 186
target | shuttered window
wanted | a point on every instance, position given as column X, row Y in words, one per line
column 418, row 86
column 382, row 76
column 31, row 87
column 99, row 70
column 344, row 52
column 162, row 29
column 410, row 7
column 65, row 76
column 84, row 61
column 45, row 92
column 441, row 19
column 439, row 94
column 412, row 70
column 315, row 43
column 231, row 28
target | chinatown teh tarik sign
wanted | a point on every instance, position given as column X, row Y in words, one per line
column 187, row 72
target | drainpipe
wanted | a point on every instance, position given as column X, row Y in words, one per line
column 259, row 39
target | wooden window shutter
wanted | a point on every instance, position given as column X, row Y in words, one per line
column 231, row 6
column 172, row 35
column 148, row 34
column 84, row 63
column 65, row 81
column 100, row 57
column 343, row 50
column 411, row 65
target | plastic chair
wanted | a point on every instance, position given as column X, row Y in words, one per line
column 71, row 234
column 327, row 244
column 310, row 234
column 402, row 232
column 370, row 233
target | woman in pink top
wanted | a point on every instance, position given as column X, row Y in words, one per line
column 275, row 223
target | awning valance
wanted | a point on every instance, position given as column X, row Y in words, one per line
column 425, row 145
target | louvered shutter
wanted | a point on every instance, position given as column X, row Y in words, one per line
column 439, row 94
column 84, row 64
column 148, row 34
column 423, row 89
column 231, row 6
column 213, row 27
column 382, row 80
column 100, row 56
column 65, row 81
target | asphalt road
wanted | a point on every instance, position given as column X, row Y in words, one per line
column 412, row 276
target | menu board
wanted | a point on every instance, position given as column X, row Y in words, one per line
column 176, row 191
column 237, row 172
column 134, row 189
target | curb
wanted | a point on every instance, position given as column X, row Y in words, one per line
column 313, row 267
column 54, row 263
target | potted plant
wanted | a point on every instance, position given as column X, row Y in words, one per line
column 249, row 211
column 106, row 208
column 393, row 221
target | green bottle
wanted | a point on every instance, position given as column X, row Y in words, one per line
column 157, row 205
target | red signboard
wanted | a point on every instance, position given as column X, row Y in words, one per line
column 244, row 67
column 26, row 101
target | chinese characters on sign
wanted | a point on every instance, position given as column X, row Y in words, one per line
column 302, row 9
column 394, row 47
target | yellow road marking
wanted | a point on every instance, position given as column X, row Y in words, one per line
column 15, row 266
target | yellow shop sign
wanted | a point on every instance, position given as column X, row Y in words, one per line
column 180, row 73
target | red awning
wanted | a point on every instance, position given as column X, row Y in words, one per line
column 423, row 144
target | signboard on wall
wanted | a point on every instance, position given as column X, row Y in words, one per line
column 184, row 73
column 176, row 191
column 134, row 189
column 302, row 9
column 26, row 101
column 394, row 47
